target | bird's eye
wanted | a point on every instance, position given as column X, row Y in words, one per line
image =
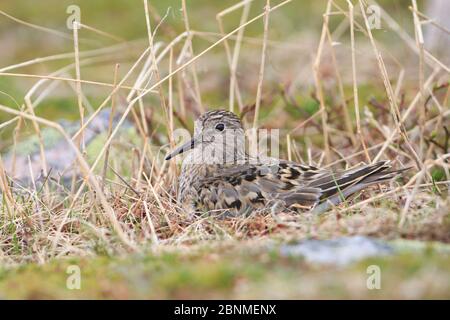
column 220, row 127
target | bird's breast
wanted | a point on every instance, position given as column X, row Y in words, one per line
column 190, row 178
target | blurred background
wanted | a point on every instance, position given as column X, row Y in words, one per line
column 236, row 258
column 294, row 32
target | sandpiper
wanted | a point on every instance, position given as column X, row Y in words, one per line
column 217, row 175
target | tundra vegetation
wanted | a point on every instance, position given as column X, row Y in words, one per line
column 91, row 95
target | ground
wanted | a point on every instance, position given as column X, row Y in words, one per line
column 337, row 101
column 242, row 270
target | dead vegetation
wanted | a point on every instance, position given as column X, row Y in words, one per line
column 357, row 99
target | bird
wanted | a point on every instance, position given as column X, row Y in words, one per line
column 219, row 176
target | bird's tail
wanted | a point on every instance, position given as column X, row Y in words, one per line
column 344, row 184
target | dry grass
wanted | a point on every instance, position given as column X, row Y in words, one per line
column 134, row 208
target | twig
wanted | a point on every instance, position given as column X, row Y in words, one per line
column 111, row 119
column 318, row 84
column 262, row 65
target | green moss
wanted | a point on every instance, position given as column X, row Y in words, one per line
column 214, row 272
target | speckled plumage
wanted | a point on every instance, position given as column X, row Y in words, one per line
column 238, row 186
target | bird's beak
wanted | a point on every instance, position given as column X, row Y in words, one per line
column 183, row 148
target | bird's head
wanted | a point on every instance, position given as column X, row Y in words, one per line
column 218, row 137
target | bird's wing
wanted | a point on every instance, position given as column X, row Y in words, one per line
column 256, row 185
column 298, row 185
